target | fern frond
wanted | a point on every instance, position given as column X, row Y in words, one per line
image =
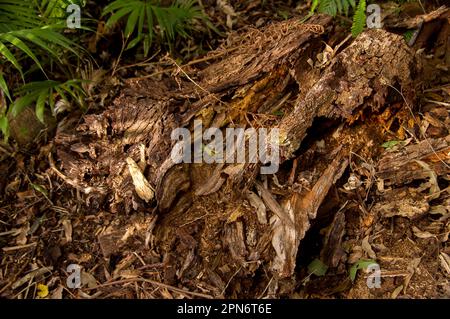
column 334, row 7
column 328, row 7
column 359, row 18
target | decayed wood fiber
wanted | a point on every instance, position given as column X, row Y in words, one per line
column 266, row 67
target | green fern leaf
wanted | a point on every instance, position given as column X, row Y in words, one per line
column 359, row 18
column 339, row 5
column 328, row 7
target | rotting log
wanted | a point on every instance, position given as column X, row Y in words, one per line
column 205, row 225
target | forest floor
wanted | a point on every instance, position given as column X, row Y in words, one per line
column 372, row 180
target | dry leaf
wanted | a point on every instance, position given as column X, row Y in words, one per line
column 445, row 262
column 235, row 215
column 396, row 292
column 434, row 189
column 258, row 204
column 355, row 255
column 42, row 290
column 422, row 234
column 88, row 280
column 57, row 293
column 412, row 267
column 22, row 237
column 367, row 248
column 67, row 225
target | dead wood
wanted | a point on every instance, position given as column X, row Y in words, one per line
column 205, row 224
column 401, row 167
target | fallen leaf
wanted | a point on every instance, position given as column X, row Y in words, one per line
column 412, row 267
column 422, row 234
column 234, row 215
column 434, row 189
column 42, row 290
column 389, row 144
column 88, row 280
column 257, row 203
column 445, row 262
column 67, row 225
column 317, row 267
column 57, row 293
column 396, row 292
column 367, row 248
column 361, row 264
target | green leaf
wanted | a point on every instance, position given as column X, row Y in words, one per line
column 408, row 35
column 134, row 42
column 314, row 5
column 278, row 113
column 132, row 20
column 40, row 105
column 118, row 15
column 359, row 18
column 4, row 86
column 360, row 264
column 328, row 7
column 317, row 267
column 174, row 20
column 21, row 103
column 41, row 92
column 10, row 57
column 22, row 46
column 389, row 144
column 39, row 188
column 4, row 126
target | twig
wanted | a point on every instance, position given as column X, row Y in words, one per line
column 204, row 59
column 6, row 249
column 195, row 83
column 265, row 289
column 438, row 103
column 124, row 41
column 229, row 281
column 153, row 282
column 139, row 63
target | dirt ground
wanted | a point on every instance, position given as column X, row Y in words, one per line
column 367, row 184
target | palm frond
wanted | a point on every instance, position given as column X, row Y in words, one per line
column 43, row 92
column 56, row 9
column 23, row 29
column 17, row 14
column 172, row 21
column 4, row 86
column 4, row 127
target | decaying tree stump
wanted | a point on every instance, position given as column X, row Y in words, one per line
column 212, row 223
